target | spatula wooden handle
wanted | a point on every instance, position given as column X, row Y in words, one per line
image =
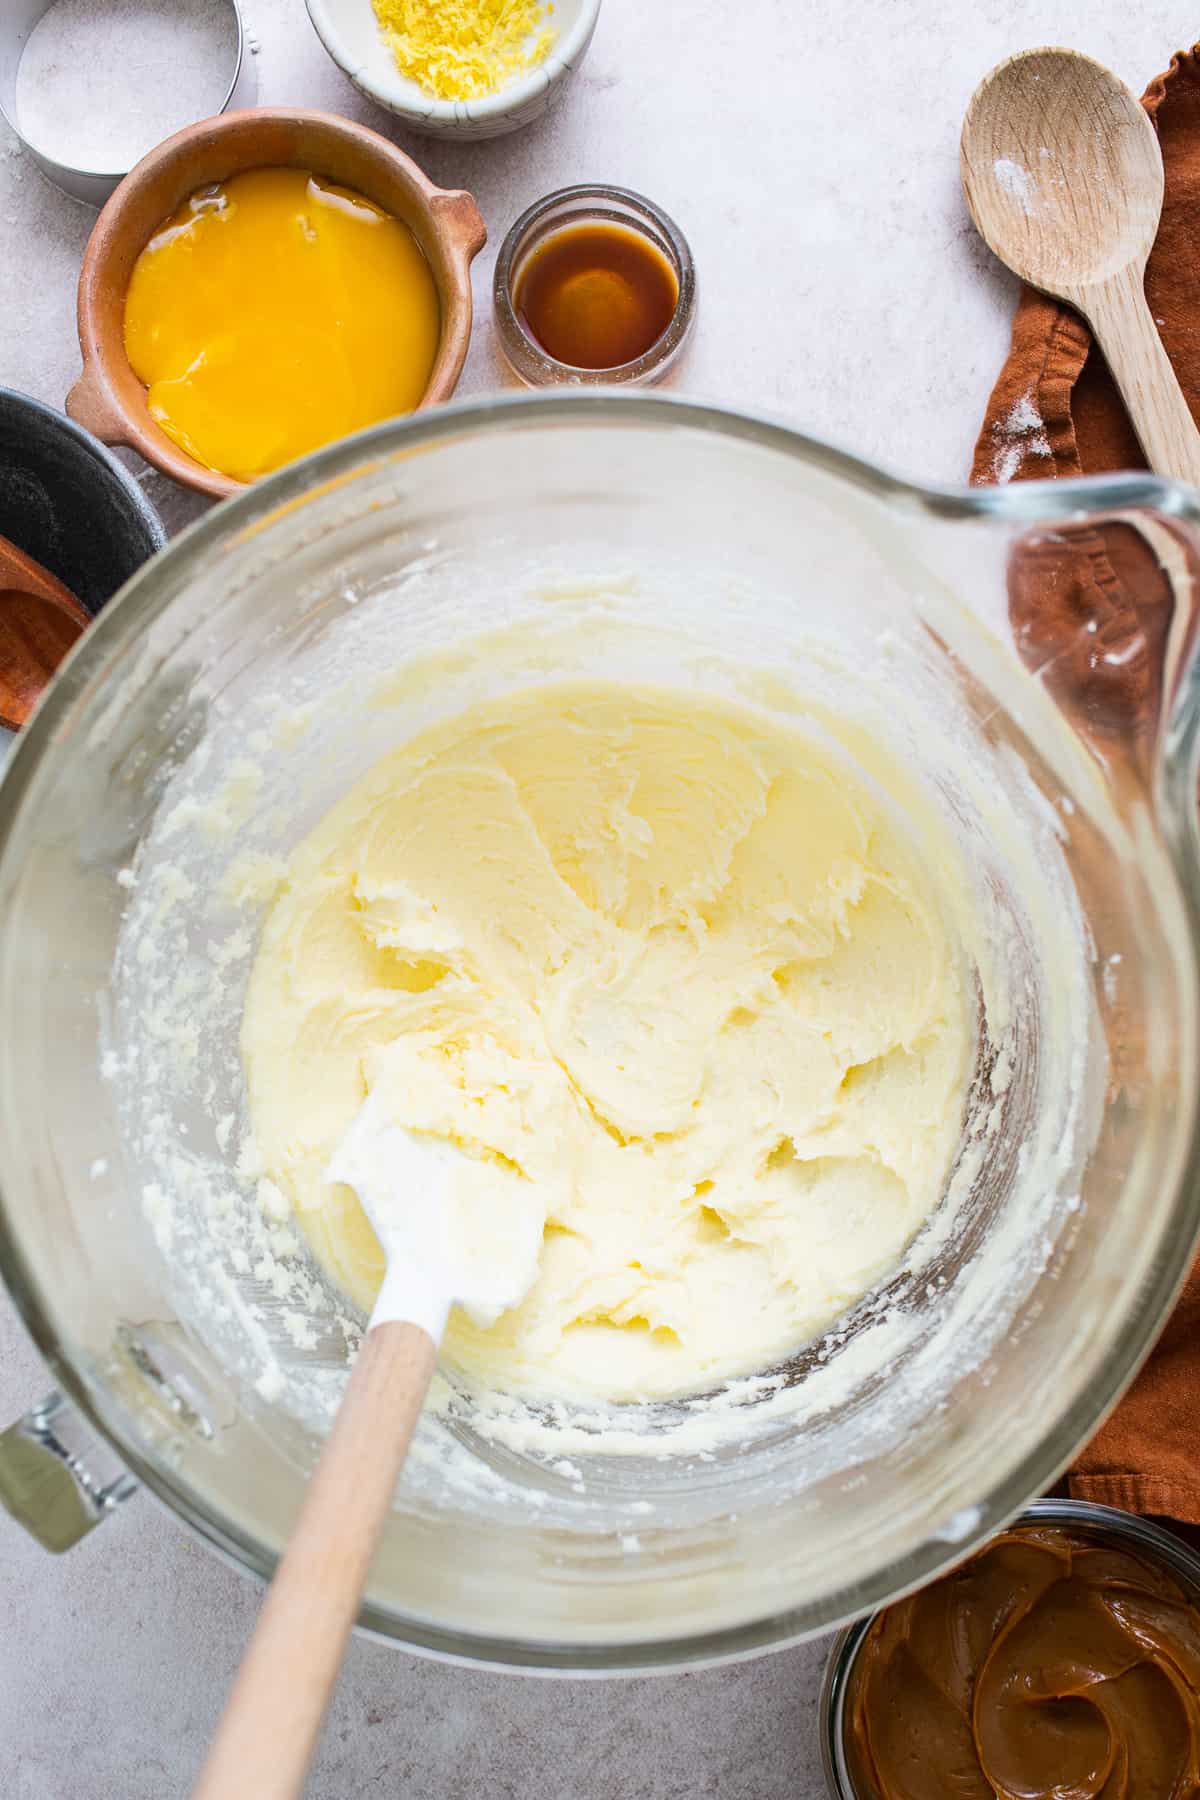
column 1118, row 313
column 273, row 1716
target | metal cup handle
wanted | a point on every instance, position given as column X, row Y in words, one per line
column 58, row 1477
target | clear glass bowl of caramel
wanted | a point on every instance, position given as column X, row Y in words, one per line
column 593, row 285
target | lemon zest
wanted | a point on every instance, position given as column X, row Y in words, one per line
column 464, row 49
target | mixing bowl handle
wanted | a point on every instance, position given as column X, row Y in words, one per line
column 58, row 1478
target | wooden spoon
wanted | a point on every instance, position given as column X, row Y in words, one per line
column 1064, row 179
column 40, row 620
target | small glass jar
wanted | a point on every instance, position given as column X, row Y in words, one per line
column 590, row 206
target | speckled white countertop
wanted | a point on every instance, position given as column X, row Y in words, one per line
column 810, row 153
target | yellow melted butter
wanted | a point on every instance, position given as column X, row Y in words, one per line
column 275, row 313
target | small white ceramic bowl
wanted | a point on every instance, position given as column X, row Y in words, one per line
column 350, row 34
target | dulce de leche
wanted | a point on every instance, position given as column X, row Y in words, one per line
column 1052, row 1666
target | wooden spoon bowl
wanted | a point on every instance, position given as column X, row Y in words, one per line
column 40, row 620
column 35, row 636
column 1061, row 164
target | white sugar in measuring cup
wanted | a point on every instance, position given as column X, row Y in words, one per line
column 102, row 82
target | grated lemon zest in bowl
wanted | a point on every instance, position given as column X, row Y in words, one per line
column 464, row 49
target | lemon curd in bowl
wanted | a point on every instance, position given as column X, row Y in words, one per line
column 276, row 312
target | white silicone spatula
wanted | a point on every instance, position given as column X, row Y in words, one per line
column 406, row 1184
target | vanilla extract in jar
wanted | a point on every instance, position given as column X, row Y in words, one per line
column 593, row 285
column 596, row 296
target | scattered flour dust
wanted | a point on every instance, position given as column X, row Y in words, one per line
column 1013, row 177
column 1020, row 434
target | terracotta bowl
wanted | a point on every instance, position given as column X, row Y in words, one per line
column 108, row 399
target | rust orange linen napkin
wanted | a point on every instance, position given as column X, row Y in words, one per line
column 1054, row 411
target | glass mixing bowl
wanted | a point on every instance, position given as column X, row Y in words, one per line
column 1023, row 655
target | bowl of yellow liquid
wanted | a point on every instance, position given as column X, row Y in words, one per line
column 266, row 283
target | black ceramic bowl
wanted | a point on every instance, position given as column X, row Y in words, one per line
column 68, row 502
